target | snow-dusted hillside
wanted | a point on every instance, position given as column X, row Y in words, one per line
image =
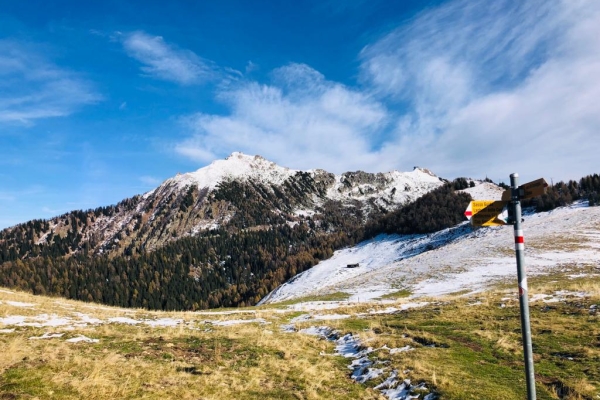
column 395, row 187
column 188, row 204
column 237, row 166
column 485, row 191
column 456, row 259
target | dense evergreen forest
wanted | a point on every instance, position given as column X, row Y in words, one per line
column 235, row 265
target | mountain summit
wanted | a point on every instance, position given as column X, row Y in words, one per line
column 237, row 166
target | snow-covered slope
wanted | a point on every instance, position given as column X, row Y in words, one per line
column 236, row 166
column 484, row 191
column 456, row 259
column 387, row 188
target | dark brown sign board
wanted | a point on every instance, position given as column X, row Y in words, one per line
column 528, row 190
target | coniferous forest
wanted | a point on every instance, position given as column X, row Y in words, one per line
column 235, row 265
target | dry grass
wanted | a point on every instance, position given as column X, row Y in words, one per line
column 190, row 361
column 476, row 350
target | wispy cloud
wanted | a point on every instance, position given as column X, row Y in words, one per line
column 166, row 61
column 494, row 87
column 301, row 120
column 32, row 87
column 466, row 88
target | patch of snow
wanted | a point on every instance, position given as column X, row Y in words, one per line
column 300, row 318
column 225, row 312
column 13, row 320
column 237, row 166
column 321, row 331
column 86, row 319
column 288, row 328
column 124, row 320
column 484, row 191
column 361, row 376
column 349, row 346
column 163, row 322
column 304, row 213
column 19, row 304
column 82, row 338
column 317, row 305
column 11, row 330
column 401, row 349
column 237, row 322
column 47, row 336
column 326, row 317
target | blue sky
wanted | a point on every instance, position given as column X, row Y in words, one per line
column 99, row 102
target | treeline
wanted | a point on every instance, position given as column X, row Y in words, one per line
column 219, row 269
column 436, row 210
column 562, row 194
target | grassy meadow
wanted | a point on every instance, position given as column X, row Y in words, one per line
column 461, row 347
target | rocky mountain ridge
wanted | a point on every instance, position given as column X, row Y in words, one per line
column 239, row 192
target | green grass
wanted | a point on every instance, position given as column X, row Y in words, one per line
column 336, row 296
column 399, row 294
column 481, row 357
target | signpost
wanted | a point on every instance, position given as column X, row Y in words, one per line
column 491, row 213
column 523, row 290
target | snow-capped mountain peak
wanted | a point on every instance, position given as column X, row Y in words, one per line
column 236, row 166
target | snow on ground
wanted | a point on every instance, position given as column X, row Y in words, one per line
column 403, row 187
column 19, row 304
column 484, row 191
column 237, row 322
column 236, row 166
column 364, row 361
column 82, row 338
column 458, row 259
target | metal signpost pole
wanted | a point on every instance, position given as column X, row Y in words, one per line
column 523, row 292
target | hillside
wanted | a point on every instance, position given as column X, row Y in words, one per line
column 240, row 192
column 225, row 235
column 229, row 234
column 458, row 259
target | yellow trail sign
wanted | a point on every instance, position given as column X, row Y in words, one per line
column 486, row 212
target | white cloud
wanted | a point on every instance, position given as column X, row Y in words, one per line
column 32, row 88
column 494, row 88
column 164, row 61
column 301, row 121
column 466, row 89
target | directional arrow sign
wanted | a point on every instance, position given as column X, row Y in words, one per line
column 533, row 189
column 485, row 212
column 469, row 211
column 528, row 190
